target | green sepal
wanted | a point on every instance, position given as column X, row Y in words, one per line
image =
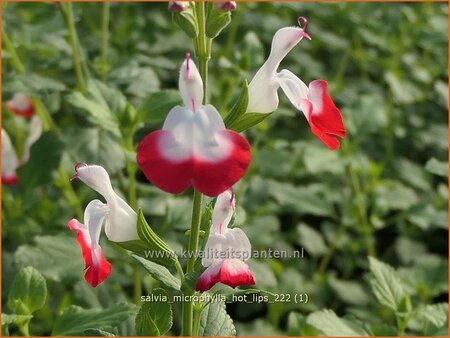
column 186, row 21
column 248, row 120
column 239, row 107
column 149, row 241
column 216, row 21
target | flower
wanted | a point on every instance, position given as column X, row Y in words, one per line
column 178, row 6
column 226, row 6
column 323, row 116
column 193, row 148
column 34, row 132
column 226, row 249
column 10, row 162
column 119, row 218
column 21, row 105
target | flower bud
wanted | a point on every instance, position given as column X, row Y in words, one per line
column 226, row 6
column 178, row 6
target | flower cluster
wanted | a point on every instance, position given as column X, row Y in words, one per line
column 195, row 149
column 22, row 106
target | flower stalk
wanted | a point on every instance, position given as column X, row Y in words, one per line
column 203, row 52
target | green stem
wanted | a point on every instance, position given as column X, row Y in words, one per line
column 15, row 60
column 357, row 190
column 197, row 317
column 105, row 39
column 195, row 230
column 73, row 38
column 203, row 51
column 327, row 257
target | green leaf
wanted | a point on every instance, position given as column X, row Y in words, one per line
column 436, row 167
column 108, row 97
column 436, row 314
column 350, row 292
column 297, row 326
column 28, row 292
column 103, row 104
column 95, row 145
column 154, row 318
column 56, row 257
column 247, row 121
column 239, row 107
column 98, row 333
column 328, row 323
column 311, row 239
column 74, row 320
column 386, row 285
column 215, row 321
column 156, row 106
column 216, row 21
column 42, row 163
column 189, row 281
column 160, row 273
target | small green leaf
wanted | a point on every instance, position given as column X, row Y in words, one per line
column 28, row 292
column 189, row 281
column 328, row 323
column 154, row 318
column 436, row 167
column 74, row 320
column 160, row 273
column 42, row 163
column 156, row 106
column 215, row 321
column 386, row 285
column 98, row 114
column 247, row 121
column 239, row 107
column 311, row 239
column 98, row 333
column 297, row 326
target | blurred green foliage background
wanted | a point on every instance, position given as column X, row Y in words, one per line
column 383, row 194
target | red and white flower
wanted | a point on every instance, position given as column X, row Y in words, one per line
column 10, row 162
column 193, row 148
column 323, row 116
column 226, row 250
column 119, row 218
column 20, row 104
